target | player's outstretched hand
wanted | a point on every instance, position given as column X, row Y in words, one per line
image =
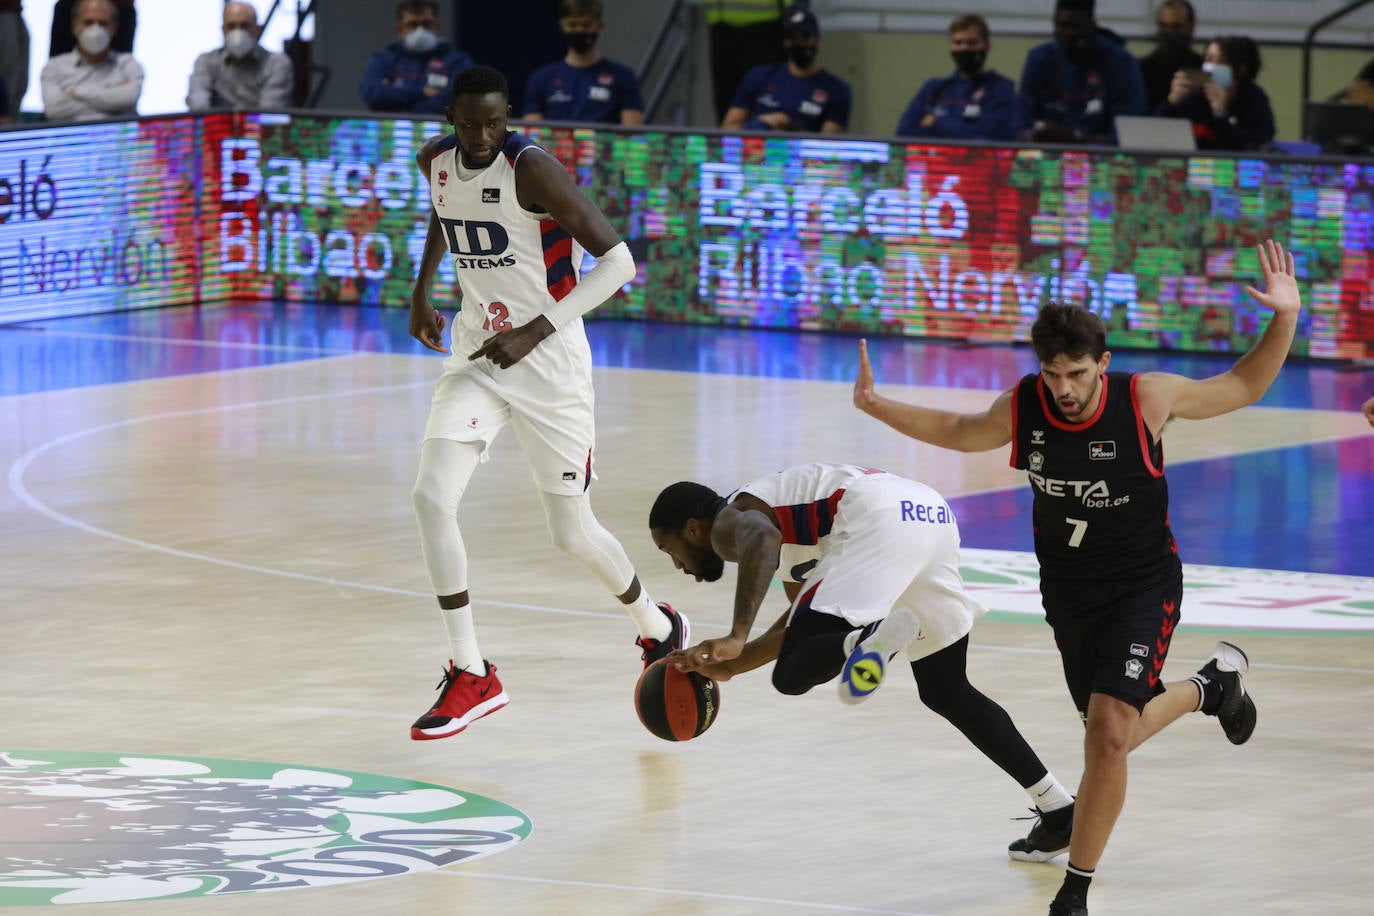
column 1369, row 411
column 706, row 654
column 1280, row 280
column 864, row 395
column 426, row 324
column 506, row 348
column 716, row 671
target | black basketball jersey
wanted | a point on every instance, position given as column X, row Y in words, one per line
column 1101, row 507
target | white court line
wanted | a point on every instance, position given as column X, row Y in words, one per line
column 21, row 491
column 739, row 898
column 180, row 341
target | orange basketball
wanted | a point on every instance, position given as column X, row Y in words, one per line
column 676, row 705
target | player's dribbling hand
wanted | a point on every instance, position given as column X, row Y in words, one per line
column 864, row 395
column 707, row 653
column 1368, row 409
column 1280, row 280
column 426, row 324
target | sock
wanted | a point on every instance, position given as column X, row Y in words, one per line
column 652, row 623
column 462, row 639
column 1209, row 691
column 1076, row 881
column 1048, row 795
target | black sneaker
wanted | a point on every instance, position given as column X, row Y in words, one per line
column 1237, row 714
column 1068, row 905
column 1044, row 842
column 654, row 649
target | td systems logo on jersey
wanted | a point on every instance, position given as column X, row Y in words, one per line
column 477, row 244
column 1093, row 493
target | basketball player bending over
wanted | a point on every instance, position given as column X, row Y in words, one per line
column 516, row 226
column 870, row 562
column 1110, row 576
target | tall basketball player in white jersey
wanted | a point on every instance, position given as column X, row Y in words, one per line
column 516, row 226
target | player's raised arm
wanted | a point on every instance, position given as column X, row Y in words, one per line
column 1164, row 395
column 964, row 432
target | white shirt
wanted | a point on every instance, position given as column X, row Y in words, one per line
column 74, row 90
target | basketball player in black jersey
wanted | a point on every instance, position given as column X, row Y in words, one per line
column 1110, row 577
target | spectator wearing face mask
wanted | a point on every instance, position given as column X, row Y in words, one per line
column 1228, row 109
column 974, row 103
column 1073, row 88
column 583, row 86
column 413, row 74
column 797, row 95
column 1174, row 24
column 93, row 81
column 242, row 74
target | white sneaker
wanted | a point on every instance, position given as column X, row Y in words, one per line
column 867, row 663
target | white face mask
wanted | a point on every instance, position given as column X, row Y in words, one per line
column 421, row 41
column 94, row 39
column 240, row 43
column 1221, row 74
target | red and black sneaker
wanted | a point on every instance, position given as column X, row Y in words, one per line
column 654, row 649
column 463, row 699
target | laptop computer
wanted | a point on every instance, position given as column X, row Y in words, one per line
column 1340, row 128
column 1140, row 133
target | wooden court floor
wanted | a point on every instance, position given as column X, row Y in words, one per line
column 224, row 564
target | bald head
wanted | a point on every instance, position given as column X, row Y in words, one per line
column 102, row 10
column 240, row 15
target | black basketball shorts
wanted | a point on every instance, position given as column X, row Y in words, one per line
column 1113, row 638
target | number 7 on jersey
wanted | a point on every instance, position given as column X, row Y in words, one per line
column 1080, row 527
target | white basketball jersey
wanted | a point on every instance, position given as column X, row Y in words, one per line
column 511, row 264
column 804, row 500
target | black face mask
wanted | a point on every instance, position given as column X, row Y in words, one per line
column 969, row 62
column 801, row 55
column 580, row 42
column 1079, row 50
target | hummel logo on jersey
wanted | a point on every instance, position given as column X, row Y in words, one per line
column 569, row 475
column 1102, row 451
column 1037, row 437
column 491, row 195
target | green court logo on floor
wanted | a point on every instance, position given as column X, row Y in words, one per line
column 94, row 827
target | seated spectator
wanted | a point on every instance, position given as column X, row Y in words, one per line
column 413, row 74
column 1361, row 89
column 14, row 56
column 1073, row 88
column 1173, row 51
column 797, row 95
column 242, row 74
column 1229, row 110
column 61, row 40
column 93, row 81
column 974, row 103
column 583, row 86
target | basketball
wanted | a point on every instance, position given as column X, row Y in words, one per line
column 676, row 705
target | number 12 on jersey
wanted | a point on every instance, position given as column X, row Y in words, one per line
column 497, row 317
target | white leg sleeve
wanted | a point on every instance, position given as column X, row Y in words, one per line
column 445, row 468
column 576, row 532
